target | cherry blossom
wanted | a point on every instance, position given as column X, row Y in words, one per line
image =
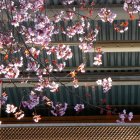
column 78, row 28
column 7, row 39
column 19, row 115
column 46, row 83
column 63, row 51
column 105, row 83
column 69, row 15
column 75, row 83
column 47, row 101
column 79, row 107
column 10, row 108
column 42, row 32
column 35, row 53
column 32, row 102
column 98, row 60
column 37, row 118
column 106, row 15
column 53, row 87
column 32, row 66
column 64, row 15
column 59, row 109
column 81, row 68
column 130, row 116
column 3, row 98
column 58, row 17
column 60, row 66
column 12, row 72
column 86, row 42
column 121, row 28
column 123, row 116
column 132, row 6
column 41, row 72
column 49, row 68
column 99, row 82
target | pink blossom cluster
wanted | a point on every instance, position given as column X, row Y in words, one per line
column 86, row 42
column 45, row 83
column 59, row 109
column 4, row 5
column 77, row 28
column 68, row 15
column 23, row 12
column 42, row 32
column 62, row 51
column 12, row 70
column 7, row 40
column 32, row 102
column 123, row 116
column 79, row 107
column 52, row 67
column 105, row 83
column 10, row 108
column 98, row 60
column 132, row 6
column 32, row 66
column 107, row 15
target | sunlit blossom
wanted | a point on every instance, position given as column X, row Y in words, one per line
column 10, row 108
column 63, row 51
column 106, row 15
column 99, row 82
column 19, row 115
column 105, row 83
column 78, row 28
column 37, row 118
column 132, row 6
column 53, row 87
column 98, row 60
column 81, row 68
column 75, row 83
